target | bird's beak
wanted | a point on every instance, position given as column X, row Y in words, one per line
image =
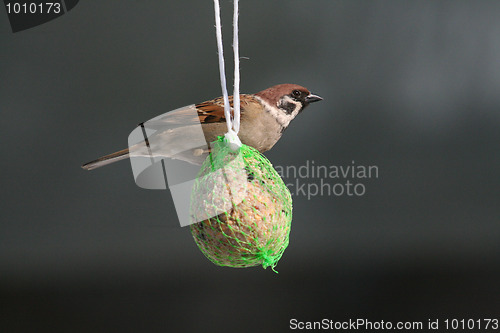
column 313, row 98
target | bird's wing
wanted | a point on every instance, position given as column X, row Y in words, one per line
column 213, row 111
column 205, row 113
column 185, row 116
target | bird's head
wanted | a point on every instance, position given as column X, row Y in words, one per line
column 286, row 101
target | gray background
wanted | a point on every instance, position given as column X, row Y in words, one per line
column 410, row 86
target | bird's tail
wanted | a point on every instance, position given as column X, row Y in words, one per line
column 108, row 159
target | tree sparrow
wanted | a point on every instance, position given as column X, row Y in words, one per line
column 264, row 117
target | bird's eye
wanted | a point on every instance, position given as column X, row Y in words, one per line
column 296, row 93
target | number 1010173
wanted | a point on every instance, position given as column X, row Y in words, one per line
column 33, row 8
column 471, row 324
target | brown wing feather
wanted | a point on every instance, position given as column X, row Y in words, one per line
column 213, row 111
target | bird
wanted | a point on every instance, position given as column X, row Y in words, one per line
column 264, row 117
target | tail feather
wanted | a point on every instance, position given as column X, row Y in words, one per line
column 108, row 159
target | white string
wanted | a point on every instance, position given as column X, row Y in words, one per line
column 218, row 32
column 232, row 127
column 236, row 92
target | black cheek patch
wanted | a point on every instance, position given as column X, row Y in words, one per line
column 288, row 107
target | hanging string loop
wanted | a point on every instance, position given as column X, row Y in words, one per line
column 233, row 123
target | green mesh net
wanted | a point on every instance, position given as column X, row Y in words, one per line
column 244, row 207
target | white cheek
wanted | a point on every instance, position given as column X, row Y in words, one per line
column 281, row 116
